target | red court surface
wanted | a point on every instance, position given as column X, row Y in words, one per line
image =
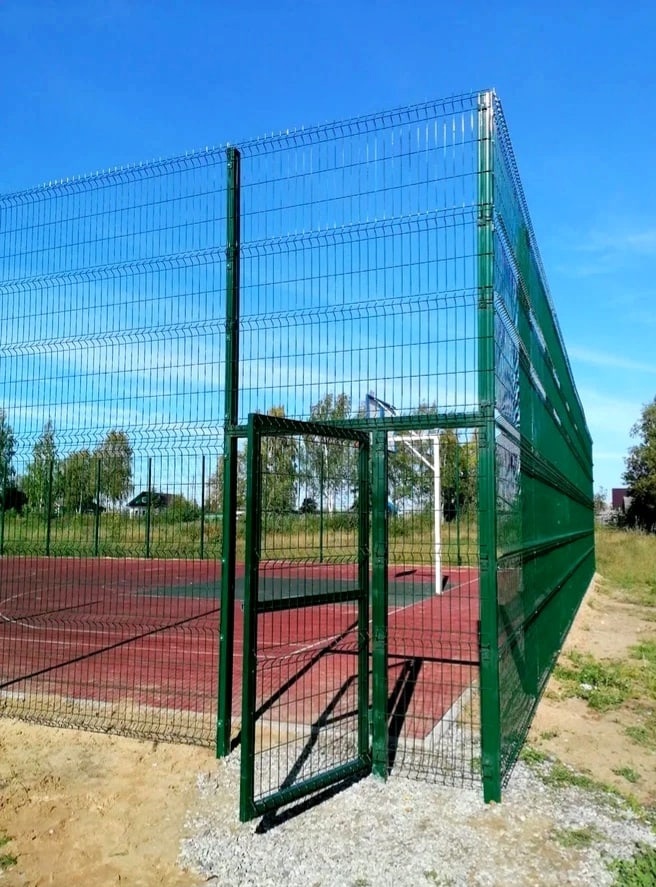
column 146, row 631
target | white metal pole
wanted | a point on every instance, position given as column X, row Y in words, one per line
column 437, row 514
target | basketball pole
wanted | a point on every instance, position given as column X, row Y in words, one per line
column 372, row 401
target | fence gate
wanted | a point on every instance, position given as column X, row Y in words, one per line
column 305, row 722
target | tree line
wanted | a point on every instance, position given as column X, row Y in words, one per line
column 74, row 483
column 311, row 473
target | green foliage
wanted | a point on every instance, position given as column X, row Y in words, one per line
column 214, row 500
column 279, row 467
column 577, row 838
column 530, row 755
column 644, row 733
column 600, row 500
column 115, row 453
column 76, row 480
column 603, row 685
column 7, row 860
column 411, row 472
column 561, row 776
column 7, row 451
column 328, row 467
column 640, row 474
column 626, row 559
column 39, row 483
column 639, row 871
column 179, row 510
column 627, row 773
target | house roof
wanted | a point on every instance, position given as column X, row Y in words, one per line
column 157, row 500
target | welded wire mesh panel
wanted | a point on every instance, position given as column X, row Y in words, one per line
column 545, row 548
column 306, row 667
column 111, row 353
column 433, row 605
column 359, row 263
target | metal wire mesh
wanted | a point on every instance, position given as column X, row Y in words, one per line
column 111, row 322
column 359, row 263
column 545, row 542
column 378, row 276
column 305, row 611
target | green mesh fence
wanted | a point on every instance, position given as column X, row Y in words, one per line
column 543, row 520
column 111, row 353
column 379, row 276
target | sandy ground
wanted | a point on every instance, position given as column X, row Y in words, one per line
column 97, row 810
column 596, row 744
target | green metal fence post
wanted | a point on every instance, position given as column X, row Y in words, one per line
column 364, row 498
column 251, row 580
column 148, row 505
column 489, row 635
column 51, row 470
column 202, row 507
column 230, row 457
column 321, row 483
column 380, row 738
column 96, row 523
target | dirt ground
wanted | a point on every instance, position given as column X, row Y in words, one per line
column 96, row 810
column 594, row 743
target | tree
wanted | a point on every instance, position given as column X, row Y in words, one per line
column 115, row 454
column 214, row 502
column 640, row 474
column 330, row 465
column 39, row 483
column 279, row 470
column 7, row 451
column 412, row 479
column 76, row 482
column 600, row 500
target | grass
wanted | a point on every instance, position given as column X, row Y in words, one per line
column 639, row 871
column 603, row 684
column 7, row 860
column 627, row 561
column 610, row 684
column 627, row 773
column 577, row 838
column 285, row 536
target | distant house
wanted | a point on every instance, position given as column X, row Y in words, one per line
column 620, row 500
column 138, row 506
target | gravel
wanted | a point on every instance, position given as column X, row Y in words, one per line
column 402, row 832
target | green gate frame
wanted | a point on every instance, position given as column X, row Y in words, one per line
column 259, row 428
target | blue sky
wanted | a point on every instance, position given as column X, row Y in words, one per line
column 87, row 85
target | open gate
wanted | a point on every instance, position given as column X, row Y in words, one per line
column 305, row 719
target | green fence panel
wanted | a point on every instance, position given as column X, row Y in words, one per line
column 545, row 542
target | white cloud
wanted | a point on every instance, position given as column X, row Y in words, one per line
column 606, row 359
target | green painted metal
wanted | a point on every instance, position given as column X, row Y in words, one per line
column 258, row 738
column 489, row 666
column 247, row 807
column 379, row 607
column 202, row 509
column 230, row 454
column 96, row 522
column 543, row 501
column 149, row 505
column 51, row 472
column 364, row 497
